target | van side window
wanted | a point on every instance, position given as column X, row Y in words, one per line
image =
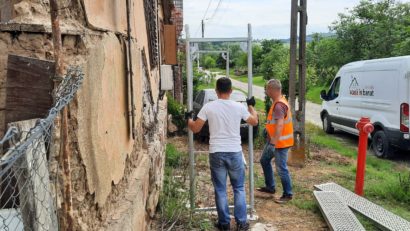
column 334, row 90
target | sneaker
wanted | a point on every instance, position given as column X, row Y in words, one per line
column 225, row 227
column 266, row 190
column 242, row 227
column 284, row 199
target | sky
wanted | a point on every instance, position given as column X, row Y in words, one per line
column 269, row 18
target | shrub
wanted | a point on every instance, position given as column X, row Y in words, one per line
column 177, row 111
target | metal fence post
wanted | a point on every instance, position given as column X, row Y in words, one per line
column 190, row 133
column 250, row 142
column 227, row 63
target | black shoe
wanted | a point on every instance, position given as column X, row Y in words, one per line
column 266, row 190
column 284, row 199
column 243, row 227
column 225, row 227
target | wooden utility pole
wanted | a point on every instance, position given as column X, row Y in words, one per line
column 203, row 28
column 297, row 77
column 67, row 222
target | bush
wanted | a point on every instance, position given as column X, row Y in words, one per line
column 177, row 111
column 209, row 62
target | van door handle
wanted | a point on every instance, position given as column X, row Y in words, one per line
column 337, row 102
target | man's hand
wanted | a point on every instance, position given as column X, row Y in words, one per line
column 189, row 115
column 251, row 101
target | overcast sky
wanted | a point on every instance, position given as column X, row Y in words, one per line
column 269, row 18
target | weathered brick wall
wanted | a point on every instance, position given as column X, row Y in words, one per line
column 116, row 180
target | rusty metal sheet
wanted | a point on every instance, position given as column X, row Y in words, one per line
column 28, row 88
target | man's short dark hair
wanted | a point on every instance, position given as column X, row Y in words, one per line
column 224, row 85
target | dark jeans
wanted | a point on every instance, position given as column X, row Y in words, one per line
column 223, row 164
column 281, row 158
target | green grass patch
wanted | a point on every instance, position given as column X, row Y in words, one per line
column 258, row 80
column 210, row 85
column 385, row 181
column 313, row 95
column 174, row 195
column 216, row 69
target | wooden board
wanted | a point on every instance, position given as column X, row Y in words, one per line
column 28, row 88
column 170, row 38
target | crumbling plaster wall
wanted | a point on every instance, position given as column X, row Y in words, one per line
column 106, row 161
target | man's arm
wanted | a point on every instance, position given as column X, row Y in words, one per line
column 278, row 131
column 196, row 125
column 253, row 118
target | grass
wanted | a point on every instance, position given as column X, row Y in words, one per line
column 211, row 85
column 216, row 69
column 173, row 202
column 173, row 197
column 258, row 80
column 382, row 180
column 313, row 95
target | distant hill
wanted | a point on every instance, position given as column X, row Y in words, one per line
column 309, row 38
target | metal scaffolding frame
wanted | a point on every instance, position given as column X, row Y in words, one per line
column 192, row 152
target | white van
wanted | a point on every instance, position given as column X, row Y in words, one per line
column 378, row 89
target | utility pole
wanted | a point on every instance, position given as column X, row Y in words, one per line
column 297, row 74
column 203, row 28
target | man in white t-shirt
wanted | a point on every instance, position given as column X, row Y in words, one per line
column 224, row 118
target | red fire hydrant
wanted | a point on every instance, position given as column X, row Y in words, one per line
column 365, row 127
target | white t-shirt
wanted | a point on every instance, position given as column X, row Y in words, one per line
column 224, row 119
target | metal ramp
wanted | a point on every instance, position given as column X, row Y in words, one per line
column 336, row 213
column 383, row 218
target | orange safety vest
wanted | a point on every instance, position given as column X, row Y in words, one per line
column 286, row 139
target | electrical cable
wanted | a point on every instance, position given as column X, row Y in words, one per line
column 203, row 18
column 216, row 10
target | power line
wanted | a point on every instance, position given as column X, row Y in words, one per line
column 209, row 4
column 216, row 10
column 222, row 15
column 206, row 11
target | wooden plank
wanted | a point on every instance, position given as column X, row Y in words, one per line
column 170, row 37
column 28, row 88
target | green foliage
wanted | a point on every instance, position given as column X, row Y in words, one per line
column 313, row 94
column 173, row 158
column 209, row 62
column 258, row 80
column 371, row 30
column 384, row 179
column 177, row 111
column 173, row 198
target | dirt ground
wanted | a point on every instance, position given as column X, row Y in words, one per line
column 293, row 216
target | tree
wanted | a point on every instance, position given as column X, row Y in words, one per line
column 209, row 62
column 374, row 29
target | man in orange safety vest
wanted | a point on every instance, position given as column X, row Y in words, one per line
column 279, row 129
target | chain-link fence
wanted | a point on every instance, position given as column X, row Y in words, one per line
column 27, row 201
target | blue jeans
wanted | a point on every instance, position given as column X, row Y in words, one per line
column 281, row 158
column 223, row 164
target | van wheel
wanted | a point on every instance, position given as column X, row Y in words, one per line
column 327, row 125
column 380, row 144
